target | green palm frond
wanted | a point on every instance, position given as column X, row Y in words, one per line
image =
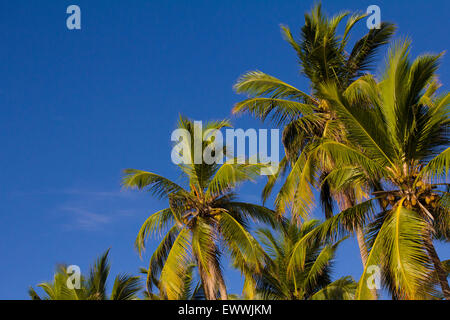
column 191, row 290
column 273, row 179
column 351, row 22
column 258, row 84
column 156, row 223
column 400, row 243
column 98, row 276
column 300, row 131
column 320, row 264
column 235, row 232
column 363, row 89
column 296, row 193
column 253, row 212
column 126, row 287
column 345, row 222
column 347, row 156
column 437, row 168
column 202, row 239
column 341, row 289
column 230, row 174
column 346, row 177
column 160, row 254
column 172, row 273
column 280, row 110
column 156, row 184
column 365, row 128
column 363, row 53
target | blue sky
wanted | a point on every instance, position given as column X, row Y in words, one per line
column 77, row 107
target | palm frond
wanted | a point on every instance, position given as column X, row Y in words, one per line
column 254, row 212
column 363, row 128
column 98, row 276
column 173, row 271
column 280, row 110
column 126, row 287
column 436, row 169
column 363, row 53
column 399, row 243
column 341, row 289
column 33, row 294
column 156, row 184
column 320, row 265
column 160, row 255
column 233, row 231
column 296, row 193
column 258, row 84
column 157, row 222
column 230, row 174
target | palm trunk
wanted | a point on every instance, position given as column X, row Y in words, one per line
column 347, row 202
column 212, row 281
column 362, row 245
column 207, row 282
column 222, row 288
column 440, row 270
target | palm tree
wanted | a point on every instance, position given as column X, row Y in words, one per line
column 93, row 287
column 323, row 57
column 191, row 289
column 301, row 274
column 202, row 219
column 401, row 138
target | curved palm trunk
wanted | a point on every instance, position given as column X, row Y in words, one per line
column 347, row 202
column 440, row 270
column 362, row 245
column 212, row 281
column 222, row 289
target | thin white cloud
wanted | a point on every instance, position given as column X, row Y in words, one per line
column 86, row 209
column 85, row 219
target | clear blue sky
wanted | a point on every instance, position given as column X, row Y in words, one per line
column 77, row 107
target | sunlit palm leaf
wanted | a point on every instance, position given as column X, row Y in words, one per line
column 156, row 184
column 156, row 223
column 172, row 273
column 400, row 243
column 125, row 287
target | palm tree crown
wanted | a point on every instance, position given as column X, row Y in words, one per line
column 307, row 117
column 201, row 220
column 93, row 287
column 303, row 273
column 397, row 131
